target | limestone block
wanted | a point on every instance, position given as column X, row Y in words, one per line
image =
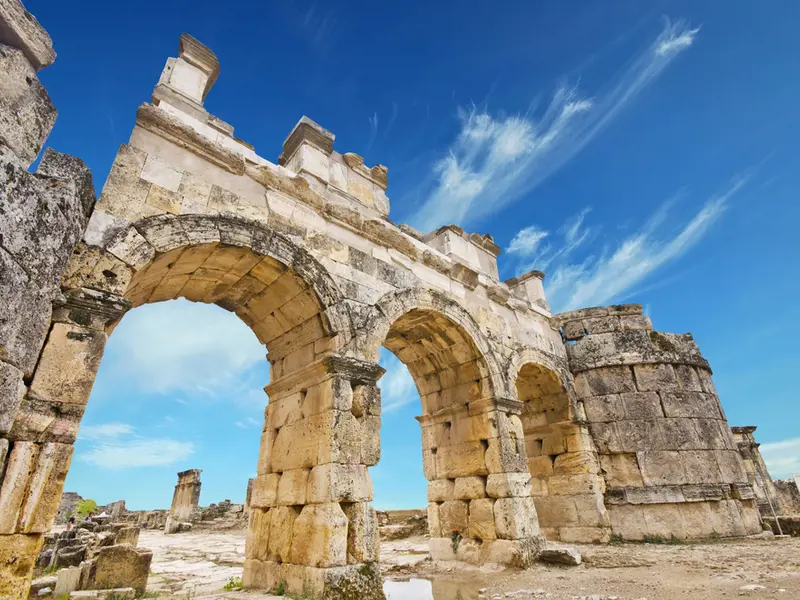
column 161, row 173
column 515, row 518
column 370, row 440
column 97, row 269
column 26, row 113
column 567, row 485
column 20, row 29
column 600, row 409
column 705, row 381
column 540, row 466
column 440, row 490
column 661, row 467
column 312, row 441
column 690, row 404
column 506, row 455
column 507, row 485
column 366, row 400
column 700, row 466
column 335, row 482
column 576, row 463
column 655, row 378
column 679, row 434
column 265, row 451
column 604, row 381
column 257, row 542
column 320, row 536
column 469, row 488
column 640, row 435
column 621, row 470
column 17, row 556
column 12, row 390
column 68, row 580
column 584, row 535
column 44, row 492
column 265, row 491
column 642, row 405
column 460, row 460
column 124, row 193
column 730, row 465
column 555, row 443
column 664, row 521
column 627, row 521
column 606, row 437
column 751, row 519
column 69, row 364
column 697, row 519
column 556, row 511
column 654, row 495
column 128, row 535
column 281, row 527
column 363, row 544
column 711, row 434
column 453, row 516
column 292, row 487
column 688, row 379
column 434, row 524
column 20, row 466
column 635, row 323
column 121, row 566
column 441, row 548
column 726, row 518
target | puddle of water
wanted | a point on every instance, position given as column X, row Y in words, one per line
column 422, row 589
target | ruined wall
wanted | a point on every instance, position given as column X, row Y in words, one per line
column 788, row 495
column 42, row 216
column 670, row 464
column 756, row 469
column 304, row 253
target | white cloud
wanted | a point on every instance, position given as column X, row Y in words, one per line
column 179, row 346
column 497, row 159
column 782, row 458
column 114, row 446
column 527, row 241
column 105, row 431
column 137, row 453
column 397, row 386
column 605, row 276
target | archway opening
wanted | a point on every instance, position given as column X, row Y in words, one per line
column 565, row 483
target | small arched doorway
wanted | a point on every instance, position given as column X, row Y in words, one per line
column 566, row 483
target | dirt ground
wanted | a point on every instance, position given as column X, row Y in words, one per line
column 199, row 564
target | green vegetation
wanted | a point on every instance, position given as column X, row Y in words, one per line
column 85, row 507
column 234, row 583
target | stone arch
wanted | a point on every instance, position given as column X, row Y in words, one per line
column 480, row 508
column 206, row 253
column 566, row 483
column 405, row 308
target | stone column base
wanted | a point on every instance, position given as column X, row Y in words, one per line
column 352, row 582
column 512, row 553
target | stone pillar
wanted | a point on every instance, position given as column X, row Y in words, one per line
column 312, row 528
column 185, row 500
column 479, row 492
column 37, row 449
column 671, row 466
column 756, row 469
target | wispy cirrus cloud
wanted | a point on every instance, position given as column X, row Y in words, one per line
column 782, row 458
column 618, row 266
column 496, row 159
column 116, row 446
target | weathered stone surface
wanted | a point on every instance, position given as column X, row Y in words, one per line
column 561, row 556
column 121, row 566
column 319, row 536
column 20, row 29
column 12, row 390
column 26, row 113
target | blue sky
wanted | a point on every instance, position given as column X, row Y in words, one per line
column 633, row 153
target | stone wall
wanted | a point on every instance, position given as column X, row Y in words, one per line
column 670, row 465
column 756, row 469
column 303, row 251
column 788, row 495
column 42, row 217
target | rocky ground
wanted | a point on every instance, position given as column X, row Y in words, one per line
column 199, row 564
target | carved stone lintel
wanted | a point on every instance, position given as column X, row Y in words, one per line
column 89, row 308
column 356, row 370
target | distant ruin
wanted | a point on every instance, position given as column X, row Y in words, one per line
column 185, row 500
column 572, row 427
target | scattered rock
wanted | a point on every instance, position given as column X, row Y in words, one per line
column 561, row 556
